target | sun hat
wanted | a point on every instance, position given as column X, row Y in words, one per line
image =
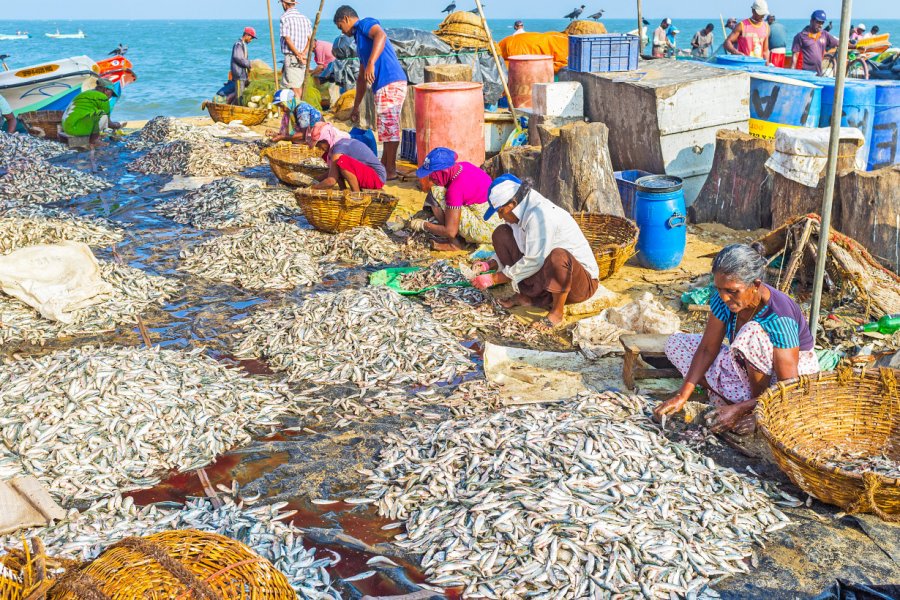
column 250, row 31
column 283, row 96
column 438, row 159
column 109, row 85
column 861, row 26
column 760, row 7
column 502, row 190
column 819, row 16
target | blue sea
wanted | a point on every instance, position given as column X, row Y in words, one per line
column 181, row 63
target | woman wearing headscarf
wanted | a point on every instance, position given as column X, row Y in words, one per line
column 458, row 199
column 540, row 250
column 351, row 164
column 297, row 118
column 768, row 341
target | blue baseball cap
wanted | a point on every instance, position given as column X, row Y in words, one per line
column 438, row 159
column 502, row 190
column 819, row 16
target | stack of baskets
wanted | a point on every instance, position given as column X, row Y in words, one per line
column 226, row 113
column 296, row 165
column 584, row 28
column 176, row 564
column 334, row 211
column 612, row 239
column 854, row 411
column 43, row 123
column 463, row 30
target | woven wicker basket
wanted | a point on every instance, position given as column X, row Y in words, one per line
column 43, row 123
column 463, row 17
column 183, row 565
column 226, row 113
column 335, row 211
column 584, row 28
column 854, row 410
column 287, row 160
column 611, row 238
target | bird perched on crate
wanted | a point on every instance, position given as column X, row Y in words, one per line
column 597, row 15
column 450, row 8
column 575, row 13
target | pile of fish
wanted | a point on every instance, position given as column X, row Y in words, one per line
column 161, row 130
column 30, row 225
column 134, row 291
column 266, row 529
column 34, row 180
column 203, row 157
column 362, row 245
column 229, row 202
column 18, row 145
column 271, row 256
column 371, row 337
column 441, row 272
column 91, row 422
column 858, row 461
column 577, row 500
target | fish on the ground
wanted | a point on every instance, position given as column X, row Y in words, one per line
column 30, row 180
column 229, row 202
column 199, row 157
column 441, row 272
column 30, row 225
column 19, row 145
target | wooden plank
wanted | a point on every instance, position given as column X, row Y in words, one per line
column 642, row 373
column 645, row 342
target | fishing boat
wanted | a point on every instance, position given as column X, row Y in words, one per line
column 48, row 86
column 14, row 36
column 66, row 36
column 117, row 69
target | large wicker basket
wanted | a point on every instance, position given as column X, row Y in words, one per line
column 226, row 113
column 612, row 239
column 184, row 564
column 335, row 211
column 43, row 123
column 287, row 161
column 853, row 410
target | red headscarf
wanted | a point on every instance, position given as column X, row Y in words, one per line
column 327, row 132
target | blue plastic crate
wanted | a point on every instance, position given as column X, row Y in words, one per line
column 408, row 149
column 603, row 52
column 625, row 181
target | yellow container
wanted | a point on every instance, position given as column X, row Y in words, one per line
column 766, row 129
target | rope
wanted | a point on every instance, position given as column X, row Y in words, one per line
column 199, row 588
column 81, row 585
column 407, row 58
column 866, row 501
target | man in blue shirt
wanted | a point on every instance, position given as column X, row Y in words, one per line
column 380, row 68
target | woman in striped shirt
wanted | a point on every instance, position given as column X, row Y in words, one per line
column 768, row 341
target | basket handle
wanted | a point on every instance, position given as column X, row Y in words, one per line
column 676, row 220
column 866, row 500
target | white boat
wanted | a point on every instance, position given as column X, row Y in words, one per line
column 14, row 36
column 48, row 86
column 66, row 36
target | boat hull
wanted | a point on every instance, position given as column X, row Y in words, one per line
column 48, row 86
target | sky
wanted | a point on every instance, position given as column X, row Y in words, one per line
column 403, row 9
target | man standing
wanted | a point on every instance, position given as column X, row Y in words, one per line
column 777, row 42
column 6, row 114
column 518, row 27
column 380, row 68
column 702, row 42
column 812, row 43
column 751, row 35
column 240, row 63
column 660, row 42
column 295, row 30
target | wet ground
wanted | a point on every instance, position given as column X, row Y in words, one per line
column 316, row 460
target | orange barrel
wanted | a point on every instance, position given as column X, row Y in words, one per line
column 524, row 71
column 450, row 114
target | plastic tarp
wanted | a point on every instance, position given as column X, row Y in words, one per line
column 416, row 50
column 802, row 153
column 598, row 336
column 54, row 279
column 843, row 590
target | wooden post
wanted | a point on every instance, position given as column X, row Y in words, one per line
column 312, row 48
column 490, row 38
column 831, row 169
column 640, row 29
column 272, row 39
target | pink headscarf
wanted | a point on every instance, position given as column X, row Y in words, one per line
column 323, row 131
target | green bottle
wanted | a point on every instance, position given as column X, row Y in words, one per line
column 887, row 325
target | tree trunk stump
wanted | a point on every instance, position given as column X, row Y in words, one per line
column 869, row 212
column 436, row 73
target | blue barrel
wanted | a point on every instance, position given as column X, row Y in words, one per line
column 858, row 110
column 885, row 145
column 739, row 60
column 661, row 216
column 784, row 100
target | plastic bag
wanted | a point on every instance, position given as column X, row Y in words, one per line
column 645, row 315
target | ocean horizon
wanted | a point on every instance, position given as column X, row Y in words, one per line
column 182, row 62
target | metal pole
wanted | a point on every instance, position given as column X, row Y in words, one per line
column 312, row 47
column 640, row 28
column 272, row 39
column 831, row 169
column 487, row 30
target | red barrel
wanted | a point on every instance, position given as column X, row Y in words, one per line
column 524, row 71
column 450, row 114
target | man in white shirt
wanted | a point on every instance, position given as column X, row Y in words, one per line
column 660, row 43
column 540, row 250
column 518, row 27
column 6, row 114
